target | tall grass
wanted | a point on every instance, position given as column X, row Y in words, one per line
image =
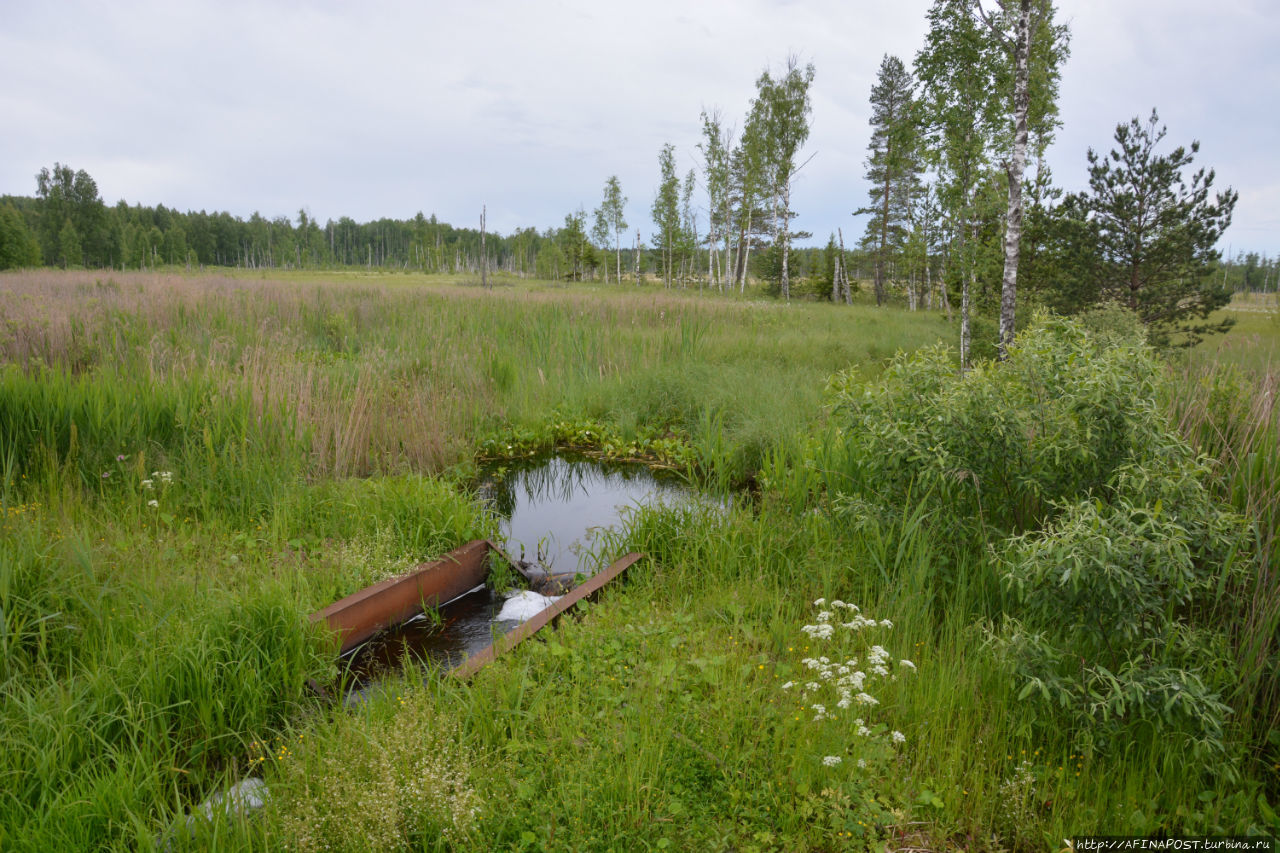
column 1231, row 416
column 154, row 654
column 395, row 376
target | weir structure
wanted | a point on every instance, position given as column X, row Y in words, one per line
column 362, row 615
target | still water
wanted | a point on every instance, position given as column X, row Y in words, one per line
column 551, row 509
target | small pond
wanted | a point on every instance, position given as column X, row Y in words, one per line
column 551, row 509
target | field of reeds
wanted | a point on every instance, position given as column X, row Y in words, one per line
column 191, row 464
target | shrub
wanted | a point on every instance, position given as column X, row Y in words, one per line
column 1113, row 554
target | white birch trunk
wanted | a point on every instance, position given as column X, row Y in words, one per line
column 786, row 241
column 1013, row 221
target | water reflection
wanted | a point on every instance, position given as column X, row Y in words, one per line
column 553, row 506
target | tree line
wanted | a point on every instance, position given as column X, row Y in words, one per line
column 963, row 214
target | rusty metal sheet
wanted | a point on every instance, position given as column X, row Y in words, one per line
column 360, row 615
column 508, row 641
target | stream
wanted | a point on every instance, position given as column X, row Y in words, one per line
column 551, row 510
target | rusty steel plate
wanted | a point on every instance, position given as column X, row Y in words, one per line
column 360, row 615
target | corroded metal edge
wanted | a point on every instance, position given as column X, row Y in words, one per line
column 508, row 641
column 362, row 614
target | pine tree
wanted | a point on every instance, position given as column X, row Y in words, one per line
column 1155, row 235
column 893, row 167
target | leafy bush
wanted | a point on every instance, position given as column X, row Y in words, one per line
column 1003, row 447
column 1105, row 600
column 1113, row 554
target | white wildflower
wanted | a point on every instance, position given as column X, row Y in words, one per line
column 832, row 760
column 813, row 685
column 898, row 737
column 880, row 671
column 788, row 685
column 824, row 616
column 153, row 503
column 866, row 699
column 820, row 602
column 908, row 664
column 862, row 764
column 885, row 623
column 148, row 484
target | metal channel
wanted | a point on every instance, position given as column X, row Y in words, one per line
column 508, row 641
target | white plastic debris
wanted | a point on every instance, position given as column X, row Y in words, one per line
column 523, row 605
column 241, row 798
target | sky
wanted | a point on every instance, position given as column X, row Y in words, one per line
column 384, row 109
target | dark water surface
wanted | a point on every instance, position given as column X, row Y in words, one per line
column 552, row 506
column 551, row 509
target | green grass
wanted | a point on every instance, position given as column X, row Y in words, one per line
column 321, row 430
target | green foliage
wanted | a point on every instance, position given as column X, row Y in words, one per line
column 18, row 246
column 1147, row 238
column 73, row 226
column 1119, row 555
column 1005, row 446
column 1110, row 602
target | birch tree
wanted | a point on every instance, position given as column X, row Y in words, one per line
column 955, row 68
column 969, row 71
column 666, row 210
column 715, row 152
column 788, row 108
column 611, row 217
column 1017, row 26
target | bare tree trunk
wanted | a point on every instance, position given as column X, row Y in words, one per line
column 637, row 257
column 484, row 258
column 844, row 271
column 786, row 241
column 746, row 255
column 1013, row 221
column 928, row 283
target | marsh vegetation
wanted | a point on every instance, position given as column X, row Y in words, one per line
column 1052, row 581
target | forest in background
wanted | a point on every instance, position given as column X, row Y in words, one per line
column 949, row 227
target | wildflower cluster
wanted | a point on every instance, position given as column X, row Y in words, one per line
column 164, row 478
column 848, row 681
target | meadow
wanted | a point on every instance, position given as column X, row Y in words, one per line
column 192, row 463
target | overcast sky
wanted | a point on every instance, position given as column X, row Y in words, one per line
column 386, row 109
